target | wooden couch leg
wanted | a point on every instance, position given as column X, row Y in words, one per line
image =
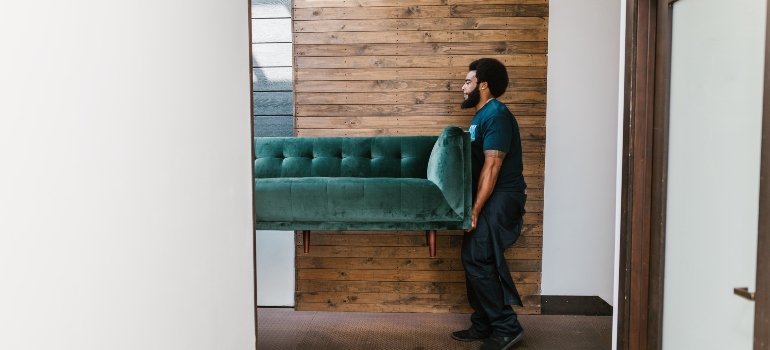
column 430, row 235
column 306, row 240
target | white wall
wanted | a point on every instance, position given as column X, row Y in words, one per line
column 581, row 151
column 125, row 190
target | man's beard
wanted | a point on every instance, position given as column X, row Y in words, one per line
column 473, row 99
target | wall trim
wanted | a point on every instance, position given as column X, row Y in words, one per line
column 574, row 305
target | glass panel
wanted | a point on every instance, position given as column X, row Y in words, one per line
column 273, row 116
column 272, row 62
column 716, row 115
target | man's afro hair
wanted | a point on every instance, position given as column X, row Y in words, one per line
column 492, row 72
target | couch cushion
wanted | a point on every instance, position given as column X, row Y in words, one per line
column 351, row 200
column 403, row 156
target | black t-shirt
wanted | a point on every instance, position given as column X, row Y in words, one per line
column 495, row 128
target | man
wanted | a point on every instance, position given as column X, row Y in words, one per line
column 499, row 195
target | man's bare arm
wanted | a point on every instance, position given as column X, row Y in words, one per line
column 492, row 153
column 493, row 160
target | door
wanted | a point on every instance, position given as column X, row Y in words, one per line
column 715, row 143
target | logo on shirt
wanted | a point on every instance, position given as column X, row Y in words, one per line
column 472, row 130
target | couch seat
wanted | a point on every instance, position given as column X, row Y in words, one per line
column 351, row 199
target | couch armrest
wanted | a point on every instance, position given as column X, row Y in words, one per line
column 449, row 167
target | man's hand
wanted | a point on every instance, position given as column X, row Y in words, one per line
column 474, row 216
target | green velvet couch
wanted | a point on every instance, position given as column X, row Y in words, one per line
column 364, row 183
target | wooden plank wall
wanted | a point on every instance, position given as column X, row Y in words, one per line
column 271, row 48
column 396, row 67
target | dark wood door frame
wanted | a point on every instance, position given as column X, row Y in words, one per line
column 762, row 294
column 645, row 162
column 644, row 183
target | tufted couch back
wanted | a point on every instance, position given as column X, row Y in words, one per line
column 394, row 157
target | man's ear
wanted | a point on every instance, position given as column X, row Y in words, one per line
column 483, row 85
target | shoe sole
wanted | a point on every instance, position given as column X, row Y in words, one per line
column 467, row 339
column 514, row 341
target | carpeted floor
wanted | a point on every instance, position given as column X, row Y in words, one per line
column 284, row 328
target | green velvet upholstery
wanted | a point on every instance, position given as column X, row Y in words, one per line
column 363, row 183
column 449, row 168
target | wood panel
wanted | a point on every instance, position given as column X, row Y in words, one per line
column 419, row 36
column 526, row 134
column 394, row 298
column 378, row 3
column 533, row 109
column 407, row 73
column 427, row 308
column 409, row 12
column 391, row 98
column 529, row 265
column 381, row 12
column 397, row 287
column 413, row 121
column 383, row 25
column 392, row 67
column 475, row 48
column 526, row 60
column 499, row 10
column 402, row 275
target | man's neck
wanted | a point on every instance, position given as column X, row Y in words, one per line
column 483, row 100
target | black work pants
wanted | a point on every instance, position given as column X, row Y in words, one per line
column 490, row 288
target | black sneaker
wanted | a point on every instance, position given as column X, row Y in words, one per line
column 501, row 343
column 468, row 335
